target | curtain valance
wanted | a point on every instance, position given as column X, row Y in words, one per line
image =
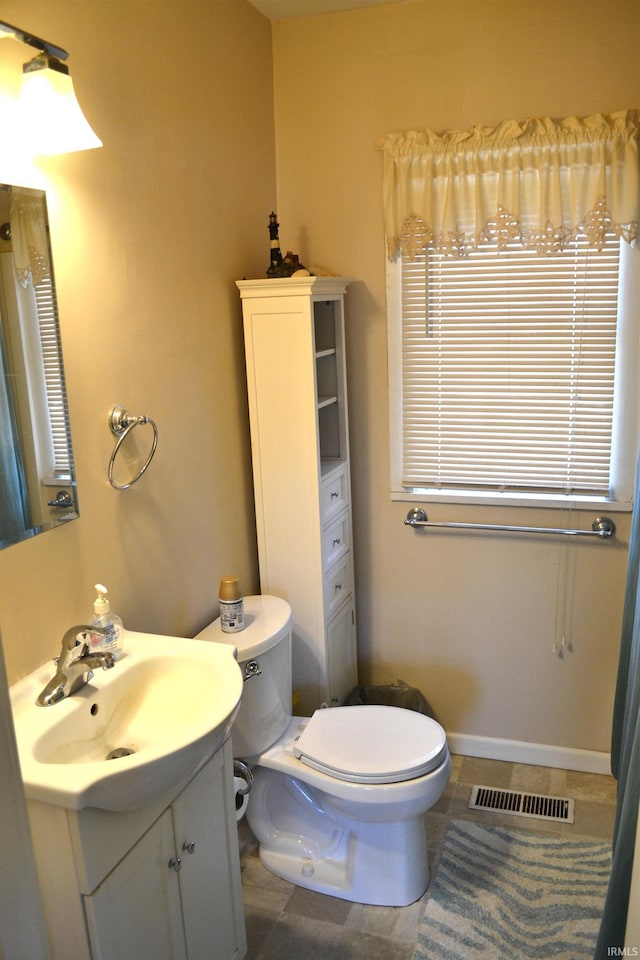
column 538, row 181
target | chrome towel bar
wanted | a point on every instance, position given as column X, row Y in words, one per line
column 602, row 527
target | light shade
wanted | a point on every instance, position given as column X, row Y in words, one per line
column 50, row 114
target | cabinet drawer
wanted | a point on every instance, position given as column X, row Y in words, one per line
column 337, row 585
column 334, row 495
column 336, row 540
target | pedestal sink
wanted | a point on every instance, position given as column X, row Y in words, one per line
column 133, row 733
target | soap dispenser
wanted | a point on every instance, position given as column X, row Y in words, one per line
column 111, row 622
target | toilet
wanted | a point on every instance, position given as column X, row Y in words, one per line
column 339, row 799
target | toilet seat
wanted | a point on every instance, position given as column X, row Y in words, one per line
column 371, row 744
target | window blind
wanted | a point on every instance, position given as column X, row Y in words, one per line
column 54, row 376
column 508, row 369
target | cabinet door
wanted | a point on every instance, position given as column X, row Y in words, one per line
column 135, row 914
column 341, row 655
column 206, row 840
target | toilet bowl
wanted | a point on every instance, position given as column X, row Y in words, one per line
column 339, row 799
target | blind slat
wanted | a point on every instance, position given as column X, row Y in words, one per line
column 508, row 369
column 54, row 376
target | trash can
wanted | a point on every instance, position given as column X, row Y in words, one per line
column 398, row 694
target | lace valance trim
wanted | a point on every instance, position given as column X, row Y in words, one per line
column 36, row 270
column 505, row 229
column 540, row 182
column 29, row 237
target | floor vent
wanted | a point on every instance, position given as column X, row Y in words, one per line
column 523, row 804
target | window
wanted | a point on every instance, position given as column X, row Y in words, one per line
column 31, row 310
column 33, row 343
column 60, row 468
column 513, row 375
column 513, row 299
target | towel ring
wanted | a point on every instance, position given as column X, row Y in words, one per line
column 122, row 423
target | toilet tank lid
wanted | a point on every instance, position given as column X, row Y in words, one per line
column 267, row 620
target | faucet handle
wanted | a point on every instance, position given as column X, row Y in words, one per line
column 72, row 647
column 70, row 639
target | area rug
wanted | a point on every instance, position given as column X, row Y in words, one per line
column 505, row 894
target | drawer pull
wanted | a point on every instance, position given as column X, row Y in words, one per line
column 334, row 494
column 337, row 587
column 337, row 541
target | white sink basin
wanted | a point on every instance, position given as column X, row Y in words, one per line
column 168, row 705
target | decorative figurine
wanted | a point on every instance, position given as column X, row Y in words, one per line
column 274, row 242
column 280, row 267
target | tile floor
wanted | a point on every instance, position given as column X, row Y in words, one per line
column 285, row 922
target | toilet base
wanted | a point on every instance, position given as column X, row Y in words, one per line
column 382, row 880
column 303, row 840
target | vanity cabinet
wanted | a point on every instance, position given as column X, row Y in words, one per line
column 295, row 358
column 160, row 883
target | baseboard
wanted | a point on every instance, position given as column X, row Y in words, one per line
column 538, row 754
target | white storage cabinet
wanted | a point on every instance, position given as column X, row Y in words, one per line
column 295, row 358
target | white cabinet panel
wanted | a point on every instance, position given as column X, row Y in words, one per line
column 135, row 914
column 342, row 666
column 205, row 840
column 296, row 379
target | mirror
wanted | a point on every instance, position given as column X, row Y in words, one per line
column 37, row 480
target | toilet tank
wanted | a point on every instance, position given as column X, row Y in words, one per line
column 265, row 708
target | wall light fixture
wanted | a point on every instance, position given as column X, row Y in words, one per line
column 48, row 110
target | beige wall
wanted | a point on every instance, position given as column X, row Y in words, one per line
column 149, row 234
column 468, row 618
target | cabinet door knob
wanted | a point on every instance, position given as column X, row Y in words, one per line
column 175, row 864
column 189, row 846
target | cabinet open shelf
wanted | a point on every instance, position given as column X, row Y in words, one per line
column 328, row 465
column 326, row 401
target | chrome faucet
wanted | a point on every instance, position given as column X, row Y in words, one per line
column 75, row 665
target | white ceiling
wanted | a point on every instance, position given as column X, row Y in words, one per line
column 284, row 9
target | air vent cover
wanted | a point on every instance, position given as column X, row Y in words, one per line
column 534, row 805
